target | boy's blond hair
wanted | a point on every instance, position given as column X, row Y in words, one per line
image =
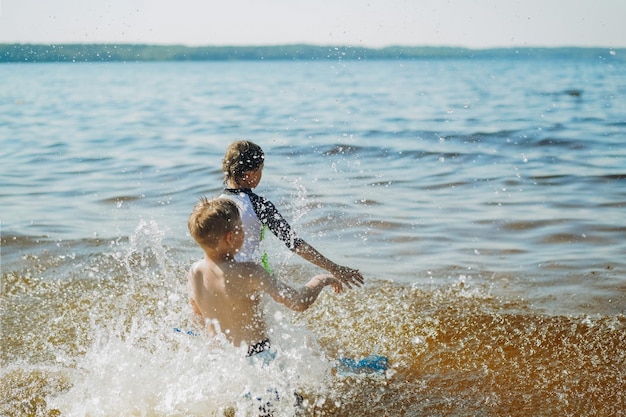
column 212, row 219
column 241, row 157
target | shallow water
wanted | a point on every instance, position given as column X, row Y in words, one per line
column 482, row 200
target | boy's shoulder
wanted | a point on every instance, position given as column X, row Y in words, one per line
column 248, row 277
column 249, row 270
column 245, row 269
column 196, row 266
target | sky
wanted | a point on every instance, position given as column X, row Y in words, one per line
column 367, row 23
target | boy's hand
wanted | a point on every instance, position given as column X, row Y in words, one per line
column 348, row 276
column 336, row 284
column 324, row 280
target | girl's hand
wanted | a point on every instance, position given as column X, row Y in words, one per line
column 348, row 276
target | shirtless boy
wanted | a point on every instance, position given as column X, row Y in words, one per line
column 225, row 293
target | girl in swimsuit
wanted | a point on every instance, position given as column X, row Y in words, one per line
column 243, row 169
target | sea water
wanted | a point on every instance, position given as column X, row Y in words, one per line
column 483, row 200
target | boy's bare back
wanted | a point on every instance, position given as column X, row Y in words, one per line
column 226, row 296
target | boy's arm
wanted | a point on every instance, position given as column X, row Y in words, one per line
column 190, row 289
column 197, row 316
column 296, row 299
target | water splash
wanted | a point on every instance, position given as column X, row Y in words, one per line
column 146, row 244
column 134, row 362
column 104, row 345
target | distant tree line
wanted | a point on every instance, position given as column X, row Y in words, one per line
column 134, row 53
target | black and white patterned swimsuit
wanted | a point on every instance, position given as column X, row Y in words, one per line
column 257, row 212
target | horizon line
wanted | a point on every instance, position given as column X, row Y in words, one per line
column 320, row 45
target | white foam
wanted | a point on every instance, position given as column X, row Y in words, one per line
column 138, row 364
